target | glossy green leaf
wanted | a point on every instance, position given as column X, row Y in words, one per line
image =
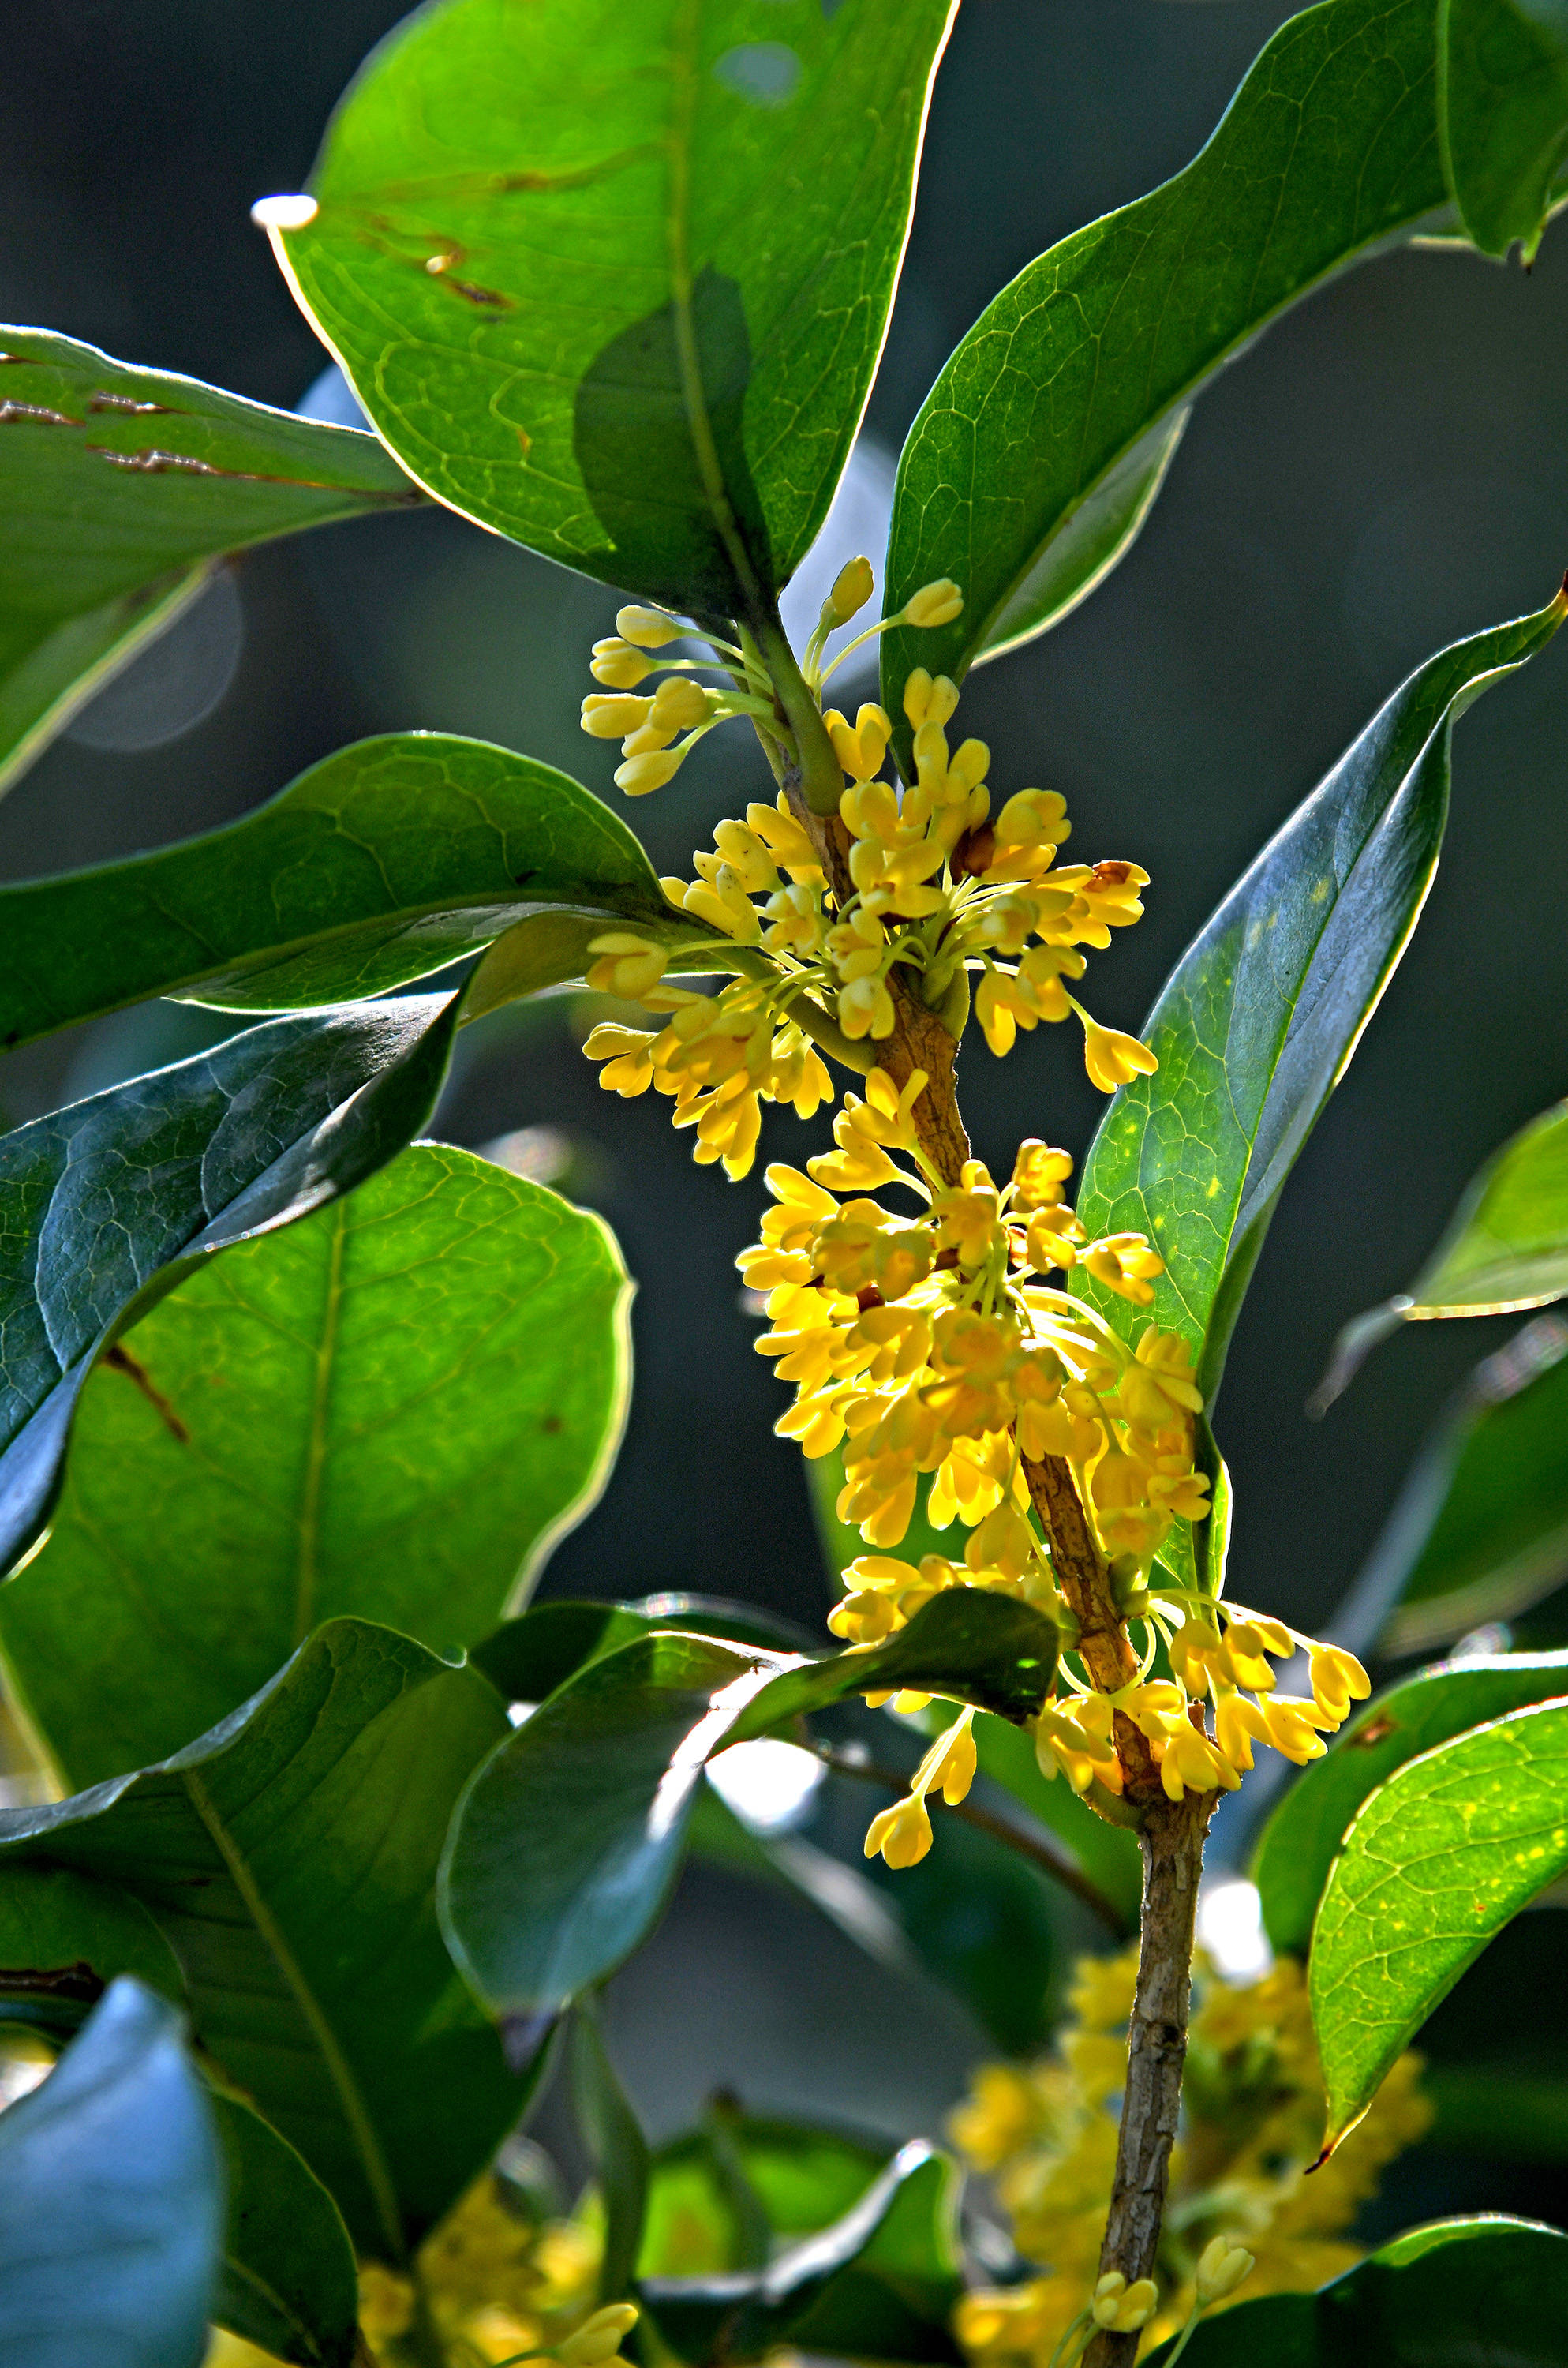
column 289, row 2281
column 613, row 276
column 1488, row 2289
column 617, row 2150
column 1436, row 1863
column 1054, row 407
column 1480, row 1530
column 111, row 2200
column 438, row 1365
column 1505, row 1248
column 1303, row 1837
column 105, row 1206
column 1258, row 1020
column 525, row 1658
column 289, row 1858
column 117, row 487
column 385, row 862
column 879, row 2284
column 568, row 1840
column 1502, row 114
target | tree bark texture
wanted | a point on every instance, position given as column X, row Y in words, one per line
column 1172, row 1843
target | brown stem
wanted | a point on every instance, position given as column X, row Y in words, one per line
column 1043, row 1849
column 1172, row 1842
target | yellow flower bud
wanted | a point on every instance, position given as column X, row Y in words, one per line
column 934, row 604
column 902, row 1834
column 852, row 587
column 650, row 771
column 649, row 628
column 948, row 1766
column 1122, row 2307
column 616, row 663
column 865, row 1008
column 601, row 2335
column 612, row 719
column 1221, row 2267
column 679, row 705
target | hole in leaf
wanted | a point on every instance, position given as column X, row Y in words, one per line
column 766, row 73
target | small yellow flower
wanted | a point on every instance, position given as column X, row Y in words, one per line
column 618, row 664
column 652, row 770
column 601, row 2335
column 627, row 965
column 1124, row 1263
column 901, row 1834
column 1122, row 2307
column 1111, row 1058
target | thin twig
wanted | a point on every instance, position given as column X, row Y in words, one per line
column 1043, row 1850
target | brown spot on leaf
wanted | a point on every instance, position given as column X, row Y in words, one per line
column 103, row 401
column 1375, row 1731
column 121, row 1360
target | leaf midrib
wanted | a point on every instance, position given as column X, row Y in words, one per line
column 372, row 2161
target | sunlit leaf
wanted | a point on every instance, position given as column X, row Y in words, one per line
column 1436, row 1863
column 111, row 2200
column 1257, row 1022
column 383, row 863
column 1059, row 407
column 1303, row 1836
column 116, row 486
column 437, row 1366
column 1488, row 2289
column 1502, row 114
column 567, row 1843
column 105, row 1206
column 613, row 278
column 288, row 1859
column 1505, row 1248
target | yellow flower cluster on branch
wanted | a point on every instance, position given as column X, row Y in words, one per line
column 937, row 885
column 1045, row 2134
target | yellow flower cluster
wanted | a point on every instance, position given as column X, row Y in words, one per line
column 934, row 1344
column 936, row 884
column 1214, row 1649
column 1253, row 2120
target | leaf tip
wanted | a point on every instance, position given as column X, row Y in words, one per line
column 284, row 213
column 522, row 2036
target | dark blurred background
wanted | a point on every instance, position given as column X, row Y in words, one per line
column 1386, row 469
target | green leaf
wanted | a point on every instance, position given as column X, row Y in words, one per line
column 117, row 487
column 1060, row 405
column 62, row 1936
column 1488, row 2289
column 385, row 862
column 567, row 1844
column 527, row 1658
column 720, row 2193
column 1502, row 114
column 438, row 1365
column 880, row 2284
column 1258, row 1020
column 1301, row 1838
column 289, row 1858
column 1437, row 1861
column 614, row 278
column 618, row 2149
column 1480, row 1530
column 289, row 2281
column 111, row 2200
column 1505, row 1248
column 105, row 1206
